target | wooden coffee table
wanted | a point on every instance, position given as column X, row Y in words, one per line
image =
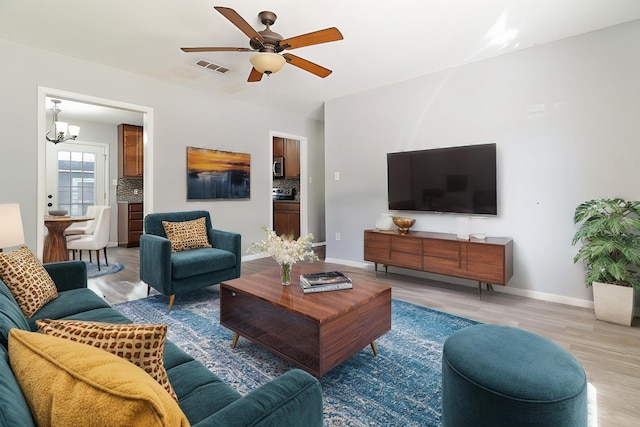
column 315, row 332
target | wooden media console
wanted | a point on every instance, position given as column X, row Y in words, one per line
column 488, row 261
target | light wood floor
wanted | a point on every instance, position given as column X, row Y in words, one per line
column 609, row 353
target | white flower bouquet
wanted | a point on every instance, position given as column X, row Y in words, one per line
column 285, row 251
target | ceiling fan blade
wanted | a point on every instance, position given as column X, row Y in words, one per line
column 216, row 49
column 239, row 22
column 307, row 65
column 254, row 76
column 323, row 36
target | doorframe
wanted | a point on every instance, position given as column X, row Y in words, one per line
column 147, row 138
column 304, row 180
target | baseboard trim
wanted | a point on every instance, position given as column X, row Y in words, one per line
column 542, row 296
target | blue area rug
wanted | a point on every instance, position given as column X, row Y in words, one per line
column 399, row 387
column 113, row 267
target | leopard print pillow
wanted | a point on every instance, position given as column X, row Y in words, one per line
column 28, row 281
column 142, row 345
column 187, row 234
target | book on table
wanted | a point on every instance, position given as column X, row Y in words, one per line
column 324, row 281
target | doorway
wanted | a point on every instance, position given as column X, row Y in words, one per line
column 43, row 147
column 304, row 178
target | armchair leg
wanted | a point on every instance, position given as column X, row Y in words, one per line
column 172, row 298
column 106, row 261
column 148, row 290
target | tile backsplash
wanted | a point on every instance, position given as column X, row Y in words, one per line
column 126, row 190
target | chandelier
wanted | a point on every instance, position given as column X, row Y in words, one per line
column 62, row 130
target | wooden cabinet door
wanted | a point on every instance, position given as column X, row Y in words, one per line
column 487, row 262
column 278, row 147
column 286, row 219
column 291, row 158
column 377, row 247
column 131, row 157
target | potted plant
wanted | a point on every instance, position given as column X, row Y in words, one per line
column 611, row 252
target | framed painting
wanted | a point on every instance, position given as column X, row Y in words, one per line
column 217, row 175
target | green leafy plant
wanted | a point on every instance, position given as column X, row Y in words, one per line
column 610, row 241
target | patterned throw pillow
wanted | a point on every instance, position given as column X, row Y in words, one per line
column 26, row 278
column 142, row 345
column 187, row 234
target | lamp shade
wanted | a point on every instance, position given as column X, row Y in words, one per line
column 73, row 130
column 267, row 62
column 11, row 232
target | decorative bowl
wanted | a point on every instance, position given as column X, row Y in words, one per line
column 57, row 212
column 404, row 224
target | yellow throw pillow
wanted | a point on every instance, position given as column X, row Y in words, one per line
column 142, row 345
column 187, row 234
column 67, row 383
column 28, row 281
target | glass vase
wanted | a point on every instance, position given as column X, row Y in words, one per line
column 285, row 274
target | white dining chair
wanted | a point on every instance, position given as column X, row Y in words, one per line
column 96, row 241
column 84, row 227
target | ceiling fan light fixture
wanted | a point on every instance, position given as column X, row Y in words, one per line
column 267, row 62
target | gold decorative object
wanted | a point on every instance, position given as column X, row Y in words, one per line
column 404, row 224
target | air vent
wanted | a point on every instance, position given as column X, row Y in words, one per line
column 213, row 67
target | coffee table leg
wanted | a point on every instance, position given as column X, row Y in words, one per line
column 374, row 347
column 235, row 340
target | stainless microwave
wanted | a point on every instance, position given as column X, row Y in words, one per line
column 278, row 167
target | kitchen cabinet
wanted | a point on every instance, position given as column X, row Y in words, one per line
column 130, row 224
column 291, row 158
column 278, row 147
column 290, row 150
column 130, row 151
column 286, row 218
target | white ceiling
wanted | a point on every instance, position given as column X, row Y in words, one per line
column 384, row 42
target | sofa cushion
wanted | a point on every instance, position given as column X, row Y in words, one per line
column 69, row 303
column 200, row 261
column 201, row 393
column 186, row 235
column 10, row 315
column 27, row 280
column 14, row 410
column 91, row 386
column 142, row 345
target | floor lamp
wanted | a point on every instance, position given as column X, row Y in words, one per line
column 11, row 232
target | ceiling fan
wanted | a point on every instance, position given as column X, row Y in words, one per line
column 269, row 45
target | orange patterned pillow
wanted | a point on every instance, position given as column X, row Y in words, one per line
column 187, row 234
column 142, row 345
column 26, row 278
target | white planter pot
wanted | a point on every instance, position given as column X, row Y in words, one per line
column 613, row 303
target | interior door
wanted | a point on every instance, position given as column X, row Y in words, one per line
column 76, row 176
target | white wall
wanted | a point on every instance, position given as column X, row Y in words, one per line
column 584, row 145
column 182, row 117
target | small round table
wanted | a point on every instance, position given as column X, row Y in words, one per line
column 55, row 244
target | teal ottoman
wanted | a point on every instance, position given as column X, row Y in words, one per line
column 503, row 376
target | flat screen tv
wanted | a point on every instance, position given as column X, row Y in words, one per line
column 455, row 179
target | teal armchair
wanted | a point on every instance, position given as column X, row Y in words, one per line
column 174, row 273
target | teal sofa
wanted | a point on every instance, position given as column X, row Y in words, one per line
column 174, row 273
column 293, row 399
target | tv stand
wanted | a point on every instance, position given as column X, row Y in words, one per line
column 488, row 261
